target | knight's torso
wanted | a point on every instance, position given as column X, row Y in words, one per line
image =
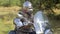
column 28, row 16
column 29, row 27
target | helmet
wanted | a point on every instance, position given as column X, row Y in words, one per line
column 28, row 5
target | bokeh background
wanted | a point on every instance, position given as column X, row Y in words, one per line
column 10, row 8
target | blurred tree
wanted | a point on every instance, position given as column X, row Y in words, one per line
column 9, row 3
column 36, row 3
column 4, row 2
column 21, row 2
column 14, row 2
column 46, row 5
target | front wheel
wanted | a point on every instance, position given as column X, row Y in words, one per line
column 48, row 31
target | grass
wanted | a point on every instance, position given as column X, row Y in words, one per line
column 7, row 14
column 5, row 26
column 6, row 19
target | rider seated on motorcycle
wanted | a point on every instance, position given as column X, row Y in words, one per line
column 24, row 16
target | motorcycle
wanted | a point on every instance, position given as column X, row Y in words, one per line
column 40, row 26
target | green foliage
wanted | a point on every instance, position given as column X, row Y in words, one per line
column 14, row 2
column 9, row 3
column 21, row 2
column 47, row 3
column 4, row 2
column 38, row 4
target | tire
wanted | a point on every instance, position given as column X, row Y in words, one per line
column 12, row 32
column 48, row 31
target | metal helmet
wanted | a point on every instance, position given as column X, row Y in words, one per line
column 28, row 4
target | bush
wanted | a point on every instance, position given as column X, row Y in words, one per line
column 7, row 3
column 4, row 2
